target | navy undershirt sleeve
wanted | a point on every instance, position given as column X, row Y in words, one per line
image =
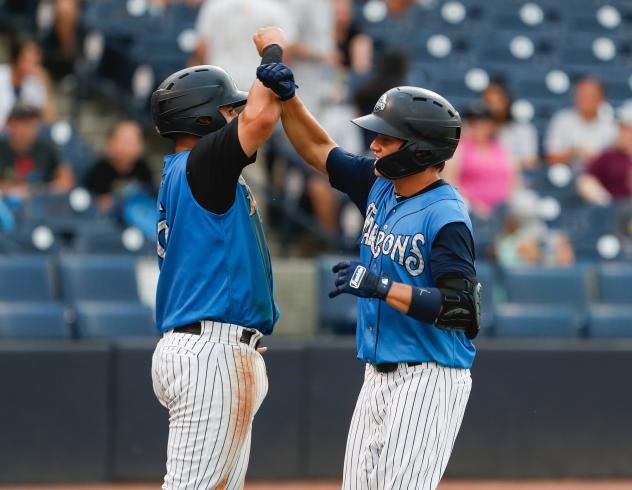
column 214, row 166
column 452, row 252
column 352, row 174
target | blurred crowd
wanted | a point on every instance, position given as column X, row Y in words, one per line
column 342, row 65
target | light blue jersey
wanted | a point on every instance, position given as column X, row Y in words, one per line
column 212, row 266
column 397, row 239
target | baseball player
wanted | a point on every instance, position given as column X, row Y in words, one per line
column 418, row 306
column 215, row 292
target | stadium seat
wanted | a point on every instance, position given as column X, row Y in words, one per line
column 107, row 241
column 33, row 320
column 57, row 212
column 610, row 321
column 25, row 278
column 338, row 314
column 101, row 319
column 515, row 320
column 558, row 286
column 584, row 226
column 73, row 148
column 614, row 282
column 98, row 278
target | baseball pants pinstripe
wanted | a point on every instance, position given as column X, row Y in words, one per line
column 212, row 385
column 404, row 427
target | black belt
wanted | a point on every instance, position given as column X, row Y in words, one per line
column 196, row 329
column 389, row 367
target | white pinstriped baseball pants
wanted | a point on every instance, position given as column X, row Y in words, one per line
column 404, row 427
column 212, row 385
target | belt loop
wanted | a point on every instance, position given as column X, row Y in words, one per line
column 256, row 337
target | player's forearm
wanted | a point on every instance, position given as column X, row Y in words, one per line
column 307, row 136
column 399, row 296
column 423, row 304
column 262, row 105
column 259, row 117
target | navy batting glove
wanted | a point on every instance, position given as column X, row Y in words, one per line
column 354, row 278
column 279, row 78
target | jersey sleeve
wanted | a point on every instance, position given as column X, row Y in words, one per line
column 352, row 174
column 452, row 251
column 214, row 166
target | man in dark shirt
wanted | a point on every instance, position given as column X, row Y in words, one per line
column 29, row 162
column 121, row 164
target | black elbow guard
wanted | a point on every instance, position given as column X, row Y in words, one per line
column 461, row 309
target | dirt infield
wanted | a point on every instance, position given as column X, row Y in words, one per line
column 446, row 485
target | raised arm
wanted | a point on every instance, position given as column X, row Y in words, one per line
column 308, row 137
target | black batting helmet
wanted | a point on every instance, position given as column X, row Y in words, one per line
column 188, row 101
column 428, row 123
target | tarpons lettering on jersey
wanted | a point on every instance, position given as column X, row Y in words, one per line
column 404, row 250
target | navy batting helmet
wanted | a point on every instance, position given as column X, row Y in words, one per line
column 428, row 123
column 188, row 101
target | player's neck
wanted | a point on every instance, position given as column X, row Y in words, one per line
column 185, row 142
column 412, row 184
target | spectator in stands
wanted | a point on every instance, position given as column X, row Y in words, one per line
column 25, row 80
column 28, row 161
column 577, row 135
column 122, row 164
column 355, row 48
column 520, row 139
column 609, row 176
column 481, row 168
column 525, row 239
column 225, row 31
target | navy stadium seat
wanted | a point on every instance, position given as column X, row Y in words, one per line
column 56, row 212
column 101, row 319
column 614, row 283
column 585, row 21
column 584, row 226
column 25, row 278
column 33, row 320
column 558, row 286
column 98, row 278
column 610, row 321
column 338, row 314
column 73, row 149
column 107, row 240
column 515, row 320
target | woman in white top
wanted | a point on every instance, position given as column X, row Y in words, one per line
column 25, row 80
column 519, row 139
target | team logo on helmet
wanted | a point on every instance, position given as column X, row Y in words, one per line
column 381, row 104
